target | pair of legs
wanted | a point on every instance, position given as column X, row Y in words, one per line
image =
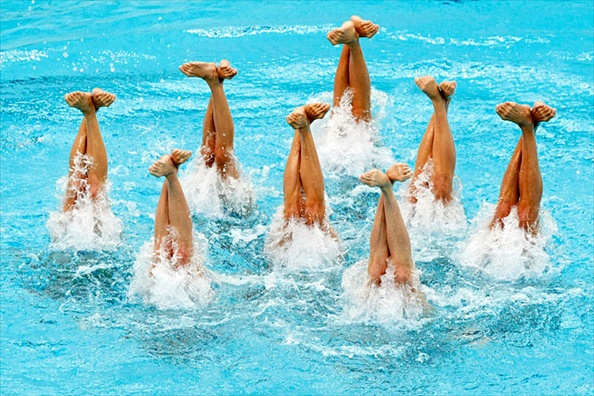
column 352, row 70
column 303, row 182
column 173, row 222
column 88, row 142
column 522, row 182
column 389, row 238
column 438, row 142
column 217, row 130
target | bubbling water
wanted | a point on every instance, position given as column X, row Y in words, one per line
column 347, row 146
column 390, row 304
column 508, row 252
column 434, row 227
column 294, row 245
column 209, row 194
column 91, row 224
column 162, row 282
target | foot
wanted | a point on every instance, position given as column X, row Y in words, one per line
column 102, row 98
column 178, row 156
column 541, row 112
column 346, row 34
column 364, row 28
column 399, row 172
column 163, row 167
column 225, row 71
column 447, row 88
column 428, row 85
column 516, row 113
column 316, row 111
column 204, row 70
column 297, row 119
column 375, row 178
column 82, row 101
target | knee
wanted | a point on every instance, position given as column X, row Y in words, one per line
column 402, row 274
column 314, row 212
column 291, row 211
column 442, row 187
column 361, row 114
column 208, row 155
column 222, row 155
column 376, row 271
column 528, row 216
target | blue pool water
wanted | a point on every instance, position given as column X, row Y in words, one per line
column 70, row 323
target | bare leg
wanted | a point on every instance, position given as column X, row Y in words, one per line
column 178, row 212
column 443, row 150
column 310, row 171
column 221, row 114
column 509, row 193
column 341, row 79
column 397, row 239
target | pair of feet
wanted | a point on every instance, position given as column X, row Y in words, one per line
column 302, row 116
column 90, row 102
column 169, row 163
column 398, row 172
column 436, row 92
column 525, row 116
column 351, row 30
column 209, row 72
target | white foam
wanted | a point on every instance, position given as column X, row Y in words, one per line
column 91, row 224
column 390, row 304
column 434, row 227
column 508, row 252
column 240, row 31
column 159, row 282
column 295, row 245
column 346, row 146
column 209, row 194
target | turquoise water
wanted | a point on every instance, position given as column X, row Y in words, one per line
column 69, row 321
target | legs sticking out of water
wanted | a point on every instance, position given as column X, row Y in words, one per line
column 389, row 238
column 352, row 70
column 303, row 183
column 173, row 222
column 88, row 142
column 522, row 181
column 218, row 129
column 438, row 142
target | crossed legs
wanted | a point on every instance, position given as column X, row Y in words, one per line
column 389, row 238
column 218, row 129
column 438, row 142
column 173, row 224
column 89, row 142
column 303, row 182
column 522, row 181
column 352, row 70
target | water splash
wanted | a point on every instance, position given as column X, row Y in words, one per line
column 159, row 281
column 295, row 245
column 390, row 304
column 209, row 194
column 91, row 224
column 508, row 252
column 346, row 146
column 434, row 227
column 240, row 31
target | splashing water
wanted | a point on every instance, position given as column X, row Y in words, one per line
column 160, row 281
column 90, row 225
column 508, row 252
column 209, row 194
column 432, row 225
column 297, row 246
column 390, row 304
column 346, row 146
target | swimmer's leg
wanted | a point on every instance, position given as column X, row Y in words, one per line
column 162, row 223
column 221, row 114
column 292, row 188
column 97, row 173
column 76, row 177
column 397, row 240
column 378, row 245
column 341, row 79
column 509, row 194
column 443, row 151
column 208, row 136
column 310, row 171
column 178, row 212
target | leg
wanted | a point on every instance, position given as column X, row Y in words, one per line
column 76, row 178
column 443, row 150
column 509, row 193
column 397, row 239
column 178, row 212
column 341, row 79
column 291, row 182
column 208, row 136
column 310, row 171
column 223, row 121
column 162, row 222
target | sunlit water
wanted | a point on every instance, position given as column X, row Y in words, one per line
column 505, row 313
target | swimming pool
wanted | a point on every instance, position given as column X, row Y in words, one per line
column 68, row 323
